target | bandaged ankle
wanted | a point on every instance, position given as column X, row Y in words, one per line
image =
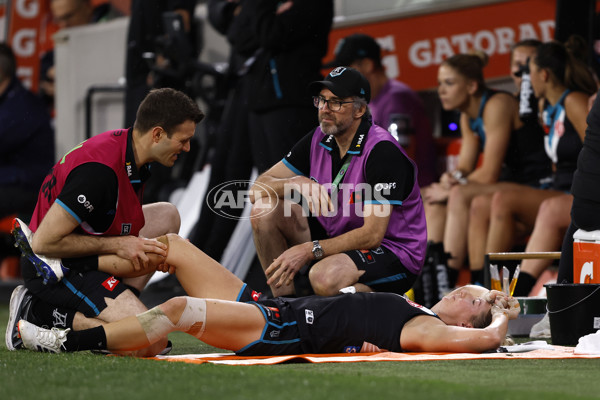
column 193, row 318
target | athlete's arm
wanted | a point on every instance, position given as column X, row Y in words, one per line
column 368, row 236
column 291, row 175
column 497, row 121
column 390, row 183
column 91, row 202
column 424, row 333
column 399, row 180
column 577, row 111
column 275, row 178
column 469, row 148
column 55, row 238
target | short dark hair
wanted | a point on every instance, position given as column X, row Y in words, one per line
column 8, row 63
column 166, row 108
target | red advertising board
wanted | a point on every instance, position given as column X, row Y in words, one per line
column 413, row 47
column 28, row 35
column 29, row 32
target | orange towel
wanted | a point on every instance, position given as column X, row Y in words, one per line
column 231, row 359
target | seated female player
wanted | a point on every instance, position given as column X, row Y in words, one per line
column 231, row 316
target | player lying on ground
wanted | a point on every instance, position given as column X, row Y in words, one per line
column 469, row 319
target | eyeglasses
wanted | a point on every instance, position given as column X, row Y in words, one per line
column 334, row 105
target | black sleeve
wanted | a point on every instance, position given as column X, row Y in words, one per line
column 298, row 159
column 390, row 172
column 585, row 180
column 90, row 195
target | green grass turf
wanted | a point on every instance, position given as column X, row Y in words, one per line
column 30, row 375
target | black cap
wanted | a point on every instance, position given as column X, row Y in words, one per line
column 355, row 47
column 344, row 82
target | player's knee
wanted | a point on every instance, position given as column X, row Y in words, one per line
column 171, row 238
column 500, row 205
column 478, row 205
column 552, row 206
column 260, row 214
column 171, row 215
column 265, row 214
column 324, row 281
column 173, row 308
column 546, row 216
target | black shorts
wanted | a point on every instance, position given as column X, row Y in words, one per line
column 384, row 272
column 247, row 295
column 280, row 336
column 81, row 291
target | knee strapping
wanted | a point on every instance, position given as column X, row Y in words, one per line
column 156, row 324
column 164, row 239
column 193, row 318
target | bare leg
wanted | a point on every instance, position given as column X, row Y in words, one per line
column 457, row 221
column 228, row 325
column 333, row 273
column 551, row 223
column 435, row 216
column 81, row 322
column 274, row 232
column 125, row 305
column 511, row 208
column 161, row 218
column 479, row 222
column 200, row 275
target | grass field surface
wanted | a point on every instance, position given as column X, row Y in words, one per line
column 36, row 376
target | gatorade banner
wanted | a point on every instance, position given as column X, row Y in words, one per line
column 26, row 23
column 414, row 47
column 28, row 27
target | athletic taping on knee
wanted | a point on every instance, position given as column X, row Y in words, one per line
column 193, row 318
column 164, row 239
column 157, row 325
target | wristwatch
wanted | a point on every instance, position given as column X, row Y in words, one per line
column 317, row 250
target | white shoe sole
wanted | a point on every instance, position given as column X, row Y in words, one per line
column 43, row 265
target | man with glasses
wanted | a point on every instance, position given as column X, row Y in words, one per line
column 394, row 105
column 343, row 207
